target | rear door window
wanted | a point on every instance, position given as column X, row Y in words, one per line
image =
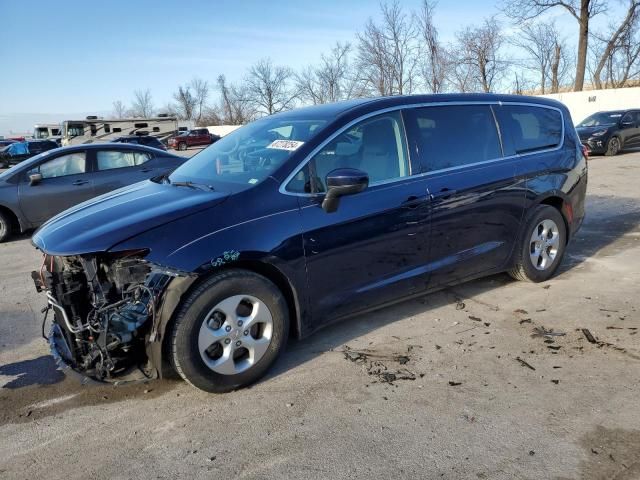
column 453, row 136
column 530, row 128
column 111, row 159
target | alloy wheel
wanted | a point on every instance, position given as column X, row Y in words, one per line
column 544, row 244
column 235, row 334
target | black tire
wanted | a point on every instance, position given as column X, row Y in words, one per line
column 182, row 146
column 524, row 268
column 6, row 227
column 613, row 147
column 185, row 353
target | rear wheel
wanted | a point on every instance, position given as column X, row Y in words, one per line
column 182, row 146
column 613, row 147
column 229, row 331
column 542, row 245
column 5, row 226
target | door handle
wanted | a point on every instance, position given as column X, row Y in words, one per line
column 80, row 182
column 444, row 194
column 146, row 170
column 413, row 201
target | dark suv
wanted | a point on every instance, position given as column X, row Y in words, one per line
column 305, row 218
column 610, row 132
column 146, row 140
column 19, row 151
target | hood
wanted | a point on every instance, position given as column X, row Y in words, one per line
column 587, row 131
column 100, row 223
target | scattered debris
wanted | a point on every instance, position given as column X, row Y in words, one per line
column 454, row 384
column 587, row 334
column 403, row 359
column 375, row 365
column 607, row 310
column 486, row 324
column 520, row 310
column 438, row 347
column 475, row 319
column 460, row 305
column 554, row 347
column 547, row 287
column 525, row 320
column 611, row 327
column 289, row 404
column 541, row 310
column 555, row 381
column 543, row 332
column 532, row 453
column 524, row 363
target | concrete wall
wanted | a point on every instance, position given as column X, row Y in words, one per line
column 583, row 104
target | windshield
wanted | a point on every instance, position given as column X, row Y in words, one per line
column 41, row 132
column 248, row 155
column 601, row 118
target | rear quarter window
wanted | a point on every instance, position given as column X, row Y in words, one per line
column 530, row 128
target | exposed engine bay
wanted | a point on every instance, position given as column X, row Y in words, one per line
column 105, row 309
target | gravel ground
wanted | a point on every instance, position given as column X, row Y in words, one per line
column 453, row 385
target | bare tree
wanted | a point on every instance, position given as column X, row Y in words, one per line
column 433, row 56
column 119, row 109
column 269, row 88
column 544, row 53
column 479, row 50
column 235, row 106
column 331, row 81
column 142, row 105
column 201, row 90
column 619, row 40
column 186, row 102
column 387, row 52
column 582, row 10
column 170, row 109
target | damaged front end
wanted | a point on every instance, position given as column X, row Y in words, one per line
column 108, row 321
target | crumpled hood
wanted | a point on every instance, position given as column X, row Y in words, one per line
column 100, row 223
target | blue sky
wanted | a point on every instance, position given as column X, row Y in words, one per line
column 74, row 57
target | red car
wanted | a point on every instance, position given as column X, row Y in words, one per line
column 192, row 138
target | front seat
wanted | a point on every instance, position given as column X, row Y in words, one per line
column 379, row 155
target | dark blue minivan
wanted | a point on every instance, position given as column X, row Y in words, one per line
column 304, row 218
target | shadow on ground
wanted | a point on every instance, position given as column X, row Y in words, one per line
column 37, row 371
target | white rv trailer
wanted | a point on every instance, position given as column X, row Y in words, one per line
column 94, row 129
column 47, row 131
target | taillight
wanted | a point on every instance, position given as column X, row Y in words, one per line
column 585, row 151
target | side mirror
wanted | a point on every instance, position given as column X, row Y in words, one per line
column 341, row 182
column 35, row 179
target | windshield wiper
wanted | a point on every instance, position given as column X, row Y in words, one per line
column 189, row 184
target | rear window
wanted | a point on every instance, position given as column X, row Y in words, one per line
column 531, row 128
column 454, row 136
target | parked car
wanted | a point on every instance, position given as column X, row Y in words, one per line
column 19, row 151
column 610, row 132
column 192, row 138
column 146, row 140
column 39, row 188
column 305, row 218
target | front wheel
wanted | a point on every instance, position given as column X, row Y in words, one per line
column 5, row 227
column 542, row 245
column 229, row 331
column 613, row 147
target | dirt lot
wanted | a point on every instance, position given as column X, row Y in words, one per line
column 453, row 385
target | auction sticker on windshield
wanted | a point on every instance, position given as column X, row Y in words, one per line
column 290, row 145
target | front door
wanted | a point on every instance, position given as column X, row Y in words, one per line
column 476, row 209
column 65, row 183
column 371, row 250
